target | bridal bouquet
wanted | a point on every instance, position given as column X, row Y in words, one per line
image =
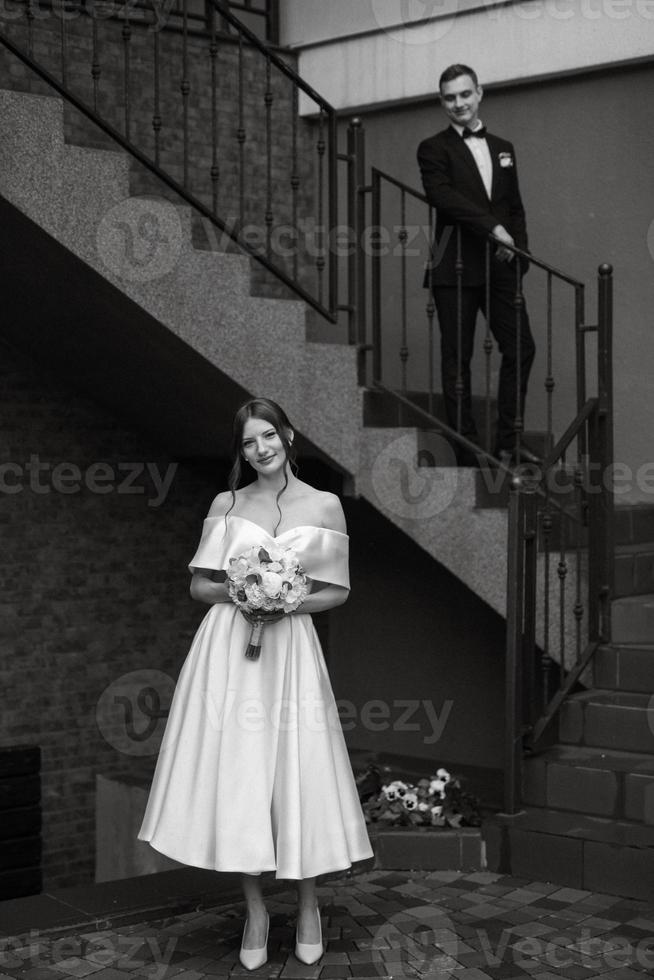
column 266, row 580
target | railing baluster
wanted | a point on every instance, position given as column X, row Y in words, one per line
column 431, row 312
column 605, row 426
column 295, row 177
column 581, row 359
column 546, row 659
column 63, row 41
column 214, row 172
column 514, row 632
column 377, row 361
column 127, row 37
column 488, row 352
column 578, row 608
column 241, row 136
column 29, row 14
column 549, row 377
column 332, row 210
column 404, row 347
column 321, row 146
column 268, row 103
column 185, row 88
column 95, row 62
column 156, row 115
column 562, row 571
column 519, row 306
column 458, row 385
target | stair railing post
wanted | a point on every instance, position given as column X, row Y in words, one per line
column 376, row 290
column 356, row 152
column 515, row 595
column 605, row 508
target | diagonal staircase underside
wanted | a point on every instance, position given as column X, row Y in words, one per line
column 176, row 346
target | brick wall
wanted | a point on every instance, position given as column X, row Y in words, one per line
column 108, row 53
column 94, row 587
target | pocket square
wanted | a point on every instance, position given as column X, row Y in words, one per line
column 506, row 160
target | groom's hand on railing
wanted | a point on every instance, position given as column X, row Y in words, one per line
column 503, row 254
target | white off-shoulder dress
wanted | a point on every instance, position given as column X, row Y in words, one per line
column 253, row 772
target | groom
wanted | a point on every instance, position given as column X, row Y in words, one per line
column 470, row 178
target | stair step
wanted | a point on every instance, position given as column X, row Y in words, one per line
column 574, row 850
column 493, row 485
column 632, row 619
column 634, row 523
column 634, row 569
column 625, row 668
column 381, row 410
column 594, row 781
column 609, row 719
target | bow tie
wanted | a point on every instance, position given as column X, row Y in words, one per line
column 467, row 133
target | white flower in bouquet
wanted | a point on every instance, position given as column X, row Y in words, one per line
column 444, row 775
column 266, row 580
column 271, row 584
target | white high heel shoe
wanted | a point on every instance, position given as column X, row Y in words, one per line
column 252, row 959
column 309, row 952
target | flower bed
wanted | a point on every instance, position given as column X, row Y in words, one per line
column 437, row 801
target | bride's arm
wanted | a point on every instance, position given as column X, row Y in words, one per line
column 209, row 586
column 325, row 595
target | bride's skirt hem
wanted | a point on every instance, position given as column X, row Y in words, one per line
column 249, row 871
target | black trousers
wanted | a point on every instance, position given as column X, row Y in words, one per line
column 503, row 326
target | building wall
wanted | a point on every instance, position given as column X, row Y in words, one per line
column 95, row 588
column 97, row 617
column 376, row 51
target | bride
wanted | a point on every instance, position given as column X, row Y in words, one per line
column 253, row 773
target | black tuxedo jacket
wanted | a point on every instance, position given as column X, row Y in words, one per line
column 453, row 185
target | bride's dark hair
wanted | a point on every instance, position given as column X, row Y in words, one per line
column 268, row 411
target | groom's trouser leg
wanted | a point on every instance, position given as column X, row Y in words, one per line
column 506, row 328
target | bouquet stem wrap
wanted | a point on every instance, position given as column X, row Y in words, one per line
column 254, row 646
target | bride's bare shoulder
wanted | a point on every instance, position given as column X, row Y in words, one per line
column 220, row 504
column 329, row 506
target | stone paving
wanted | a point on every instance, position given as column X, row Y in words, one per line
column 394, row 924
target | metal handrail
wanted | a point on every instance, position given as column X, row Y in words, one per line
column 532, row 259
column 170, row 182
column 251, row 38
column 291, row 269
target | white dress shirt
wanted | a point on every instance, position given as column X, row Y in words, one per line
column 478, row 146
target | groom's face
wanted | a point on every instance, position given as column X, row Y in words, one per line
column 460, row 98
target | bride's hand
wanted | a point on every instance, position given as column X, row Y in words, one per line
column 262, row 617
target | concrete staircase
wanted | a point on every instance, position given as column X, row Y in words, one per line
column 81, row 198
column 588, row 801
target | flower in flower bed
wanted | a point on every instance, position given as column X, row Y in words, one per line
column 435, row 801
